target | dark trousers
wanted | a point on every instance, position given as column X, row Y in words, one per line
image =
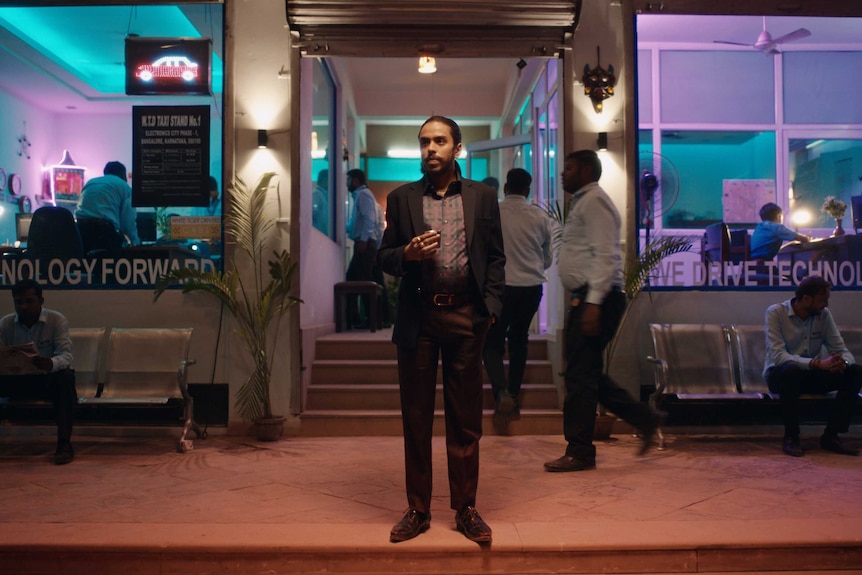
column 57, row 387
column 519, row 307
column 448, row 334
column 587, row 384
column 361, row 268
column 789, row 381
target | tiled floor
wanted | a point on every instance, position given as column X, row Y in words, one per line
column 343, row 494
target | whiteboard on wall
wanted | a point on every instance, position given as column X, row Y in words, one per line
column 741, row 199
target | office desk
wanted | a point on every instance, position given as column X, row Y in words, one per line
column 170, row 252
column 835, row 249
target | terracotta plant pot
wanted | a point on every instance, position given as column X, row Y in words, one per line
column 269, row 429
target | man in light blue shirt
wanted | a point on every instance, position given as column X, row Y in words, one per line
column 109, row 197
column 805, row 353
column 527, row 243
column 51, row 375
column 362, row 228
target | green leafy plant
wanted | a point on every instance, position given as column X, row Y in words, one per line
column 257, row 303
column 636, row 277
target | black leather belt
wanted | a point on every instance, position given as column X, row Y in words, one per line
column 448, row 299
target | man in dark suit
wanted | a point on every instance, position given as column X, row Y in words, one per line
column 443, row 238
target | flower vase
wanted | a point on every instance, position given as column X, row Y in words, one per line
column 838, row 231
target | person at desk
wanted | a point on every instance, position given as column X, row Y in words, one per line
column 771, row 233
column 107, row 198
column 54, row 379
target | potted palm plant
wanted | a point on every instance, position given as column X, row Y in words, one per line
column 256, row 302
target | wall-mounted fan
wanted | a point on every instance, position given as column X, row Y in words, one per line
column 769, row 45
column 658, row 188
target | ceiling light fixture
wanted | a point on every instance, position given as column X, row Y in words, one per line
column 427, row 64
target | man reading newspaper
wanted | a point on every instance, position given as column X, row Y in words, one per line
column 37, row 358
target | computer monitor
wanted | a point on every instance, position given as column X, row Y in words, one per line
column 22, row 226
column 856, row 210
column 147, row 229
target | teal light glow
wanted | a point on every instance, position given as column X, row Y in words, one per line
column 89, row 41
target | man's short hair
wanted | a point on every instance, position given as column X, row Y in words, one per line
column 492, row 182
column 454, row 129
column 115, row 169
column 28, row 284
column 518, row 181
column 770, row 212
column 588, row 158
column 812, row 285
column 358, row 175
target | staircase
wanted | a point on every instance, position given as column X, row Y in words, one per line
column 354, row 390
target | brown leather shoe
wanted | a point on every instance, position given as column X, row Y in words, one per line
column 834, row 444
column 412, row 524
column 472, row 526
column 791, row 447
column 64, row 454
column 569, row 463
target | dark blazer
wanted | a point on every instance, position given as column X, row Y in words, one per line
column 404, row 221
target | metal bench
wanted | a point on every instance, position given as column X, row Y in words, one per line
column 149, row 366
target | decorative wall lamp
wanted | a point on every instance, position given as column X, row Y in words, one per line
column 602, row 141
column 427, row 64
column 599, row 83
column 262, row 139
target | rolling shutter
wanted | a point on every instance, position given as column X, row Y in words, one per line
column 452, row 28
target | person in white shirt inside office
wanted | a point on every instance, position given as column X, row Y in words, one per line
column 527, row 243
column 106, row 202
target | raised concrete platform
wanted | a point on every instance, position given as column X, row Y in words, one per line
column 708, row 504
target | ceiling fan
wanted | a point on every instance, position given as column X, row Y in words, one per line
column 769, row 45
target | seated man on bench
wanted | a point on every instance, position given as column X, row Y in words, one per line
column 805, row 353
column 44, row 375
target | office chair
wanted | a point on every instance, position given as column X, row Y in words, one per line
column 715, row 244
column 53, row 235
column 99, row 237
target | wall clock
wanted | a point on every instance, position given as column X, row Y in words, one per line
column 15, row 184
column 2, row 179
column 25, row 205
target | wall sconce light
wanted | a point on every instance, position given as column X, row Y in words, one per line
column 427, row 64
column 602, row 141
column 262, row 139
column 599, row 83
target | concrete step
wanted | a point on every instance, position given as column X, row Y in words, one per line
column 338, row 423
column 379, row 346
column 375, row 371
column 386, row 396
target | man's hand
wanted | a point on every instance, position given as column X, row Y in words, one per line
column 422, row 246
column 591, row 319
column 43, row 363
column 833, row 364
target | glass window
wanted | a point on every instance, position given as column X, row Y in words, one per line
column 822, row 87
column 725, row 87
column 704, row 161
column 322, row 151
column 820, row 167
column 644, row 86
